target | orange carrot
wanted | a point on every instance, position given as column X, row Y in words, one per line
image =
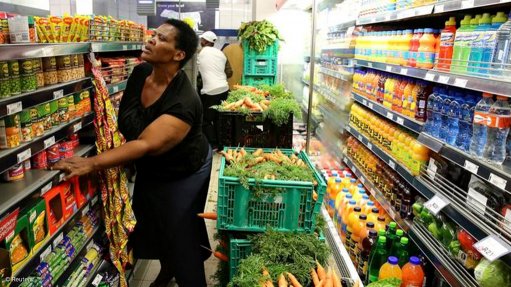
column 217, row 254
column 328, row 281
column 315, row 278
column 314, row 195
column 282, row 281
column 208, row 215
column 321, row 271
column 337, row 281
column 293, row 280
column 268, row 282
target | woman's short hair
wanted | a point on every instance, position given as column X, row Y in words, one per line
column 186, row 39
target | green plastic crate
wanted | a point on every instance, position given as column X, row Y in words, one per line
column 290, row 208
column 258, row 80
column 270, row 51
column 260, row 66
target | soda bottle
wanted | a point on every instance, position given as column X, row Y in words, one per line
column 476, row 53
column 402, row 251
column 426, row 51
column 391, row 234
column 465, row 124
column 396, row 244
column 446, row 45
column 430, row 118
column 390, row 269
column 414, row 47
column 490, row 42
column 455, row 115
column 480, row 129
column 367, row 245
column 501, row 67
column 377, row 258
column 460, row 41
column 412, row 273
column 498, row 130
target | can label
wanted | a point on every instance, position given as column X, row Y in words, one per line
column 53, row 154
column 14, row 173
column 27, row 67
column 40, row 160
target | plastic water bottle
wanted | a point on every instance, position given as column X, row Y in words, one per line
column 498, row 129
column 479, row 126
column 444, row 110
column 465, row 124
column 428, row 126
column 454, row 115
column 437, row 112
column 502, row 54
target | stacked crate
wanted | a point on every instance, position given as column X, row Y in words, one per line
column 260, row 68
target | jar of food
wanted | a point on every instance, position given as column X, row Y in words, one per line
column 64, row 62
column 81, row 64
column 10, row 131
column 40, row 160
column 86, row 102
column 37, row 123
column 50, row 71
column 54, row 115
column 43, row 111
column 38, row 70
column 71, row 108
column 4, row 70
column 26, row 126
column 14, row 173
column 63, row 110
column 26, row 66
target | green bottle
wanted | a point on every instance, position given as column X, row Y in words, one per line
column 402, row 252
column 396, row 244
column 391, row 234
column 466, row 49
column 460, row 41
column 377, row 258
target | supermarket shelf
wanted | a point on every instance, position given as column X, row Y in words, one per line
column 499, row 176
column 452, row 271
column 457, row 5
column 10, row 157
column 472, row 83
column 16, row 103
column 28, row 267
column 336, row 74
column 345, row 25
column 396, row 15
column 328, row 95
column 94, row 275
column 411, row 124
column 340, row 52
column 35, row 180
column 117, row 87
column 115, row 46
column 27, row 51
column 340, row 254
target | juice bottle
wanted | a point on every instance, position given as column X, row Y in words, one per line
column 333, row 193
column 476, row 54
column 447, row 45
column 397, row 103
column 373, row 216
column 404, row 47
column 413, row 275
column 414, row 47
column 460, row 41
column 363, row 203
column 367, row 245
column 377, row 258
column 358, row 196
column 354, row 215
column 367, row 209
column 390, row 269
column 380, row 223
column 422, row 93
column 358, row 229
column 374, row 87
column 426, row 58
column 402, row 251
column 381, row 88
column 345, row 213
column 339, row 199
column 408, row 99
column 389, row 90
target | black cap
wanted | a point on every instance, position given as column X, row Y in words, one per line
column 370, row 225
column 363, row 216
column 358, row 209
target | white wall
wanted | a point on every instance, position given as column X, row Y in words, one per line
column 264, row 9
column 232, row 13
column 39, row 4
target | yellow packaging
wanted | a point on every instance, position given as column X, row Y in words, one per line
column 55, row 27
column 73, row 29
column 44, row 25
column 84, row 33
column 65, row 27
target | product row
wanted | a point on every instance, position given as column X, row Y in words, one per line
column 37, row 121
column 117, row 69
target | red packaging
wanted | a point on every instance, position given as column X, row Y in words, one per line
column 14, row 173
column 40, row 161
column 53, row 154
column 66, row 149
column 74, row 140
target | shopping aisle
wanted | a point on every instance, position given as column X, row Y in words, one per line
column 147, row 270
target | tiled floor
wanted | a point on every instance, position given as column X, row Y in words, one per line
column 147, row 270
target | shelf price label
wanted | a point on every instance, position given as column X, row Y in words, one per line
column 492, row 248
column 124, row 47
column 24, row 155
column 392, row 164
column 460, row 82
column 497, row 181
column 470, row 166
column 436, row 204
column 115, row 89
column 58, row 239
column 477, row 200
column 467, row 4
column 359, row 137
column 97, row 280
column 400, row 120
column 49, row 142
column 429, row 76
column 370, row 105
column 370, row 146
column 388, row 69
column 85, row 210
column 404, row 71
column 443, row 79
column 364, row 102
column 354, row 169
column 370, row 65
column 46, row 188
column 345, row 160
column 58, row 94
column 390, row 116
column 439, row 8
column 77, row 127
column 363, row 180
column 14, row 108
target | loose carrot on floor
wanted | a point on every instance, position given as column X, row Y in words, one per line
column 217, row 254
column 321, row 271
column 293, row 280
column 208, row 215
column 315, row 278
column 282, row 281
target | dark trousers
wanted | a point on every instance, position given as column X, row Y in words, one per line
column 210, row 120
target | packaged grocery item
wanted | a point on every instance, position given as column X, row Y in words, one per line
column 4, row 70
column 43, row 113
column 53, row 154
column 54, row 115
column 4, row 31
column 50, row 71
column 65, row 28
column 14, row 72
column 37, row 64
column 491, row 274
column 86, row 102
column 22, row 29
column 55, row 27
column 63, row 110
column 26, row 126
column 40, row 160
column 10, row 131
column 5, row 88
column 37, row 123
column 54, row 209
column 66, row 149
column 14, row 173
column 28, row 83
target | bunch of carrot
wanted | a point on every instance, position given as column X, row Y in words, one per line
column 246, row 103
column 259, row 156
column 247, row 98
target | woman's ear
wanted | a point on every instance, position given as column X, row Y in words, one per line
column 179, row 56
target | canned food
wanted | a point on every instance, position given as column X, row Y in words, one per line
column 14, row 68
column 71, row 108
column 78, row 104
column 66, row 149
column 37, row 64
column 10, row 131
column 28, row 83
column 51, row 77
column 40, row 79
column 53, row 154
column 64, row 62
column 43, row 111
column 26, row 126
column 37, row 123
column 86, row 103
column 5, row 88
column 4, row 70
column 49, row 64
column 74, row 60
column 14, row 173
column 27, row 66
column 26, row 165
column 15, row 85
column 40, row 160
column 54, row 115
column 63, row 110
column 65, row 75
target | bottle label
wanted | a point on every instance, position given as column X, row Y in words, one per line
column 480, row 118
column 426, row 57
column 447, row 39
column 490, row 39
column 498, row 121
column 478, row 39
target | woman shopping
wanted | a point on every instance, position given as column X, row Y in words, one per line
column 160, row 116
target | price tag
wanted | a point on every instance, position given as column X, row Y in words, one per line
column 58, row 239
column 392, row 164
column 390, row 116
column 124, row 47
column 492, row 248
column 370, row 65
column 362, row 180
column 370, row 146
column 443, row 79
column 370, row 105
column 94, row 200
column 388, row 68
column 432, row 168
column 49, row 142
column 46, row 188
column 24, row 155
column 58, row 94
column 61, row 177
column 115, row 89
column 85, row 210
column 359, row 137
column 14, row 108
column 436, row 204
column 404, row 71
column 429, row 76
column 439, row 8
column 400, row 120
column 348, row 128
column 467, row 4
column 470, row 166
column 97, row 280
column 345, row 160
column 498, row 181
column 45, row 253
column 477, row 200
column 460, row 82
column 77, row 127
column 354, row 169
column 364, row 102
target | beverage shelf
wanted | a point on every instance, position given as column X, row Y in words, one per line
column 15, row 104
column 336, row 74
column 117, row 87
column 329, row 95
column 410, row 124
column 335, row 119
column 339, row 52
column 487, row 85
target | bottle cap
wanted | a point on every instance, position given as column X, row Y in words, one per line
column 376, row 210
column 501, row 17
column 382, row 239
column 360, row 185
column 466, row 20
column 381, row 218
column 338, row 179
column 451, row 22
column 404, row 240
column 357, row 209
column 352, row 202
column 381, row 232
column 373, row 233
column 362, row 217
column 349, row 196
column 365, row 197
column 399, row 232
column 393, row 260
column 487, row 95
column 353, row 180
column 370, row 225
column 369, row 203
column 415, row 260
column 345, row 190
column 502, row 98
column 428, row 30
column 486, row 19
column 392, row 224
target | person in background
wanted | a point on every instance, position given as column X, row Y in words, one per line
column 234, row 54
column 214, row 70
column 160, row 116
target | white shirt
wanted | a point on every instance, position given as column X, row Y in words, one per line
column 211, row 62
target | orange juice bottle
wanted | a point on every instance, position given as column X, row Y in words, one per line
column 419, row 158
column 373, row 216
column 398, row 100
column 380, row 222
column 345, row 213
column 408, row 96
column 426, row 59
column 358, row 195
column 390, row 269
column 359, row 228
column 404, row 47
column 353, row 216
column 372, row 92
column 389, row 91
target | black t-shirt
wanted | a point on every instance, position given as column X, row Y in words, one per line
column 179, row 100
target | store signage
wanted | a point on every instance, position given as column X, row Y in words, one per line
column 146, row 7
